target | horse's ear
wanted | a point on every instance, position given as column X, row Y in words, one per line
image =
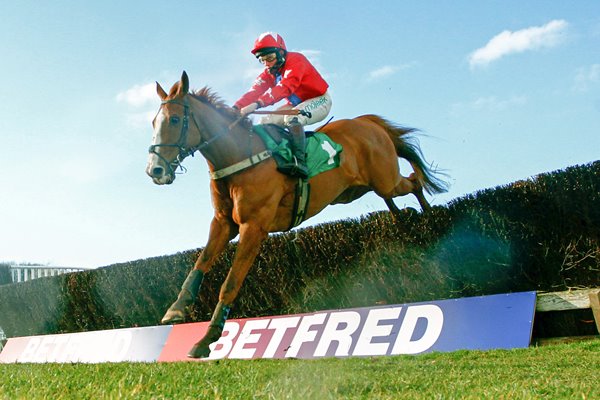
column 182, row 87
column 185, row 83
column 160, row 91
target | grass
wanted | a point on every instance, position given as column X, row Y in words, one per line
column 565, row 371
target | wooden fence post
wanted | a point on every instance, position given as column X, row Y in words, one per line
column 595, row 306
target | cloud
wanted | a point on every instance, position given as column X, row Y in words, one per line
column 386, row 71
column 145, row 101
column 489, row 103
column 141, row 120
column 311, row 54
column 382, row 72
column 139, row 95
column 314, row 56
column 586, row 77
column 508, row 42
column 493, row 104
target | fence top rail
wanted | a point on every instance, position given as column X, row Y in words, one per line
column 567, row 300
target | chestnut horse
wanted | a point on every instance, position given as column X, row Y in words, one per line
column 258, row 199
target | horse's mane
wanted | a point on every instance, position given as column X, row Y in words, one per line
column 207, row 96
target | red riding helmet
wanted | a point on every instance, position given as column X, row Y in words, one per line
column 268, row 42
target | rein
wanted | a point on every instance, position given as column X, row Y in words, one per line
column 184, row 151
column 276, row 112
column 284, row 112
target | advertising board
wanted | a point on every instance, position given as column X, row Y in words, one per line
column 477, row 323
column 116, row 345
column 501, row 321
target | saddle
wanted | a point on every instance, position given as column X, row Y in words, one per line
column 322, row 153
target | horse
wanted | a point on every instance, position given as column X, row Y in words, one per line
column 255, row 199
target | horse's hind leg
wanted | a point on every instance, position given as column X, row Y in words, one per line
column 392, row 206
column 403, row 187
column 418, row 192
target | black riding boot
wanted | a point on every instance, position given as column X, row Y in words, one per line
column 297, row 167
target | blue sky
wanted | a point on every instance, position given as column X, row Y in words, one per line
column 503, row 90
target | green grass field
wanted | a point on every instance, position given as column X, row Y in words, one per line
column 566, row 371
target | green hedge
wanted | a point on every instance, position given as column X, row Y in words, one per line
column 5, row 277
column 536, row 234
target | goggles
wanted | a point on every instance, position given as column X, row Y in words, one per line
column 267, row 58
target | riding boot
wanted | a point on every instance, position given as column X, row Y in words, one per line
column 297, row 167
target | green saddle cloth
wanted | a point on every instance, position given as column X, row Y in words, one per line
column 322, row 153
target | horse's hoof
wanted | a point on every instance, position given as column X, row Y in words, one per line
column 172, row 317
column 199, row 351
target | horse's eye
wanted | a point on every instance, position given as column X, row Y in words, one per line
column 174, row 120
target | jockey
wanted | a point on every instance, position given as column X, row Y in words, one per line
column 287, row 75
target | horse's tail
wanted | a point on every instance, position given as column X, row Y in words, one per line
column 407, row 147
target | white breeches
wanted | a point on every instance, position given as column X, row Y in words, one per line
column 319, row 108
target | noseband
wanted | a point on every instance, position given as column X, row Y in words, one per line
column 184, row 151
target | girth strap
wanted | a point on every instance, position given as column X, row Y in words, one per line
column 242, row 165
column 300, row 203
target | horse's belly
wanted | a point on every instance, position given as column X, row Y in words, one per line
column 351, row 194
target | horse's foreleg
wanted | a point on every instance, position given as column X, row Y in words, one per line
column 221, row 232
column 187, row 294
column 215, row 328
column 248, row 248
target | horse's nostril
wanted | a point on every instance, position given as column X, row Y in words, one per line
column 157, row 171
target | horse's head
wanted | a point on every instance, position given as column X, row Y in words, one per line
column 171, row 139
column 190, row 122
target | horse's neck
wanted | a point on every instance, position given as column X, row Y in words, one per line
column 232, row 145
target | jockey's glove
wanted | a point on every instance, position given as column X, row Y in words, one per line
column 249, row 109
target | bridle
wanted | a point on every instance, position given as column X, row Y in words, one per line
column 184, row 151
column 181, row 144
